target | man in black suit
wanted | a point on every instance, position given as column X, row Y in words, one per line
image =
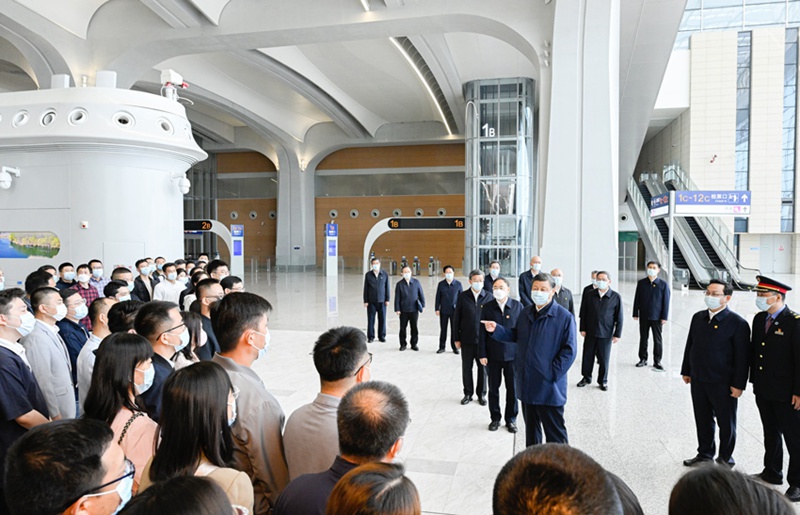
column 600, row 325
column 494, row 273
column 143, row 285
column 775, row 374
column 209, row 292
column 715, row 363
column 591, row 286
column 498, row 356
column 409, row 301
column 562, row 296
column 651, row 308
column 526, row 281
column 447, row 293
column 467, row 321
column 376, row 298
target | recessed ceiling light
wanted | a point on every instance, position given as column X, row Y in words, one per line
column 365, row 5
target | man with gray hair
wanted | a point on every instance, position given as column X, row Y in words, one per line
column 546, row 348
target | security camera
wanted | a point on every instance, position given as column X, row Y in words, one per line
column 184, row 185
column 5, row 180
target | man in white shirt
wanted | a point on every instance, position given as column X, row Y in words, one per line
column 170, row 288
column 98, row 312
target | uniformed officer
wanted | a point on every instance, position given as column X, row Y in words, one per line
column 715, row 363
column 775, row 374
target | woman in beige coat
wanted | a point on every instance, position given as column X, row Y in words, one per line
column 199, row 406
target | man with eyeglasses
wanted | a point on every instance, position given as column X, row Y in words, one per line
column 161, row 323
column 67, row 467
column 715, row 364
column 209, row 292
column 342, row 361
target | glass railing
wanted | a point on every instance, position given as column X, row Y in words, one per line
column 643, row 212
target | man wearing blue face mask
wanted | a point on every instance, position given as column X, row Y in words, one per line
column 601, row 326
column 715, row 363
column 494, row 273
column 546, row 348
column 67, row 275
column 526, row 281
column 70, row 328
column 68, row 467
column 97, row 280
column 143, row 285
column 169, row 289
column 651, row 309
column 467, row 323
column 161, row 323
column 562, row 295
column 775, row 374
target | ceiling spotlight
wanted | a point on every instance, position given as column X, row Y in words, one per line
column 365, row 5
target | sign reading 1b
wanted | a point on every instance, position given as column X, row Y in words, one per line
column 713, row 203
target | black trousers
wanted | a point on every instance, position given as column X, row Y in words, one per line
column 496, row 370
column 658, row 344
column 600, row 347
column 380, row 309
column 444, row 321
column 469, row 356
column 780, row 419
column 710, row 401
column 551, row 418
column 405, row 318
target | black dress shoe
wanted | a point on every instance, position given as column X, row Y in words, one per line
column 467, row 399
column 402, row 348
column 482, row 400
column 512, row 427
column 494, row 425
column 382, row 340
column 697, row 460
column 414, row 347
column 642, row 363
column 793, row 493
column 658, row 366
column 439, row 351
column 767, row 478
column 583, row 382
column 370, row 340
column 604, row 387
column 455, row 351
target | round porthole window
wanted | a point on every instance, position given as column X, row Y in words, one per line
column 77, row 116
column 165, row 125
column 253, row 215
column 20, row 119
column 333, row 213
column 441, row 211
column 273, row 215
column 397, row 212
column 354, row 213
column 234, row 215
column 375, row 213
column 124, row 119
column 418, row 212
column 48, row 117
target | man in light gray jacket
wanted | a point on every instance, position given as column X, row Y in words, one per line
column 48, row 356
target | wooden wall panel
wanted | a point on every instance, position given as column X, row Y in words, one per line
column 408, row 156
column 446, row 246
column 241, row 162
column 260, row 235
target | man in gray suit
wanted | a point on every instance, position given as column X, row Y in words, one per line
column 48, row 356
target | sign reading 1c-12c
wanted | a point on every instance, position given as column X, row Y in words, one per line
column 426, row 223
column 713, row 203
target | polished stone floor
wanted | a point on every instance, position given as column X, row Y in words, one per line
column 641, row 428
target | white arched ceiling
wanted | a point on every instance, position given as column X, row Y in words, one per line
column 71, row 15
column 478, row 56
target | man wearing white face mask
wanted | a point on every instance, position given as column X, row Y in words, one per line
column 22, row 402
column 161, row 323
column 409, row 301
column 447, row 293
column 494, row 273
column 563, row 296
column 526, row 281
column 70, row 329
column 467, row 323
column 376, row 298
column 651, row 309
column 498, row 357
column 170, row 288
column 48, row 355
column 601, row 326
column 240, row 323
column 715, row 364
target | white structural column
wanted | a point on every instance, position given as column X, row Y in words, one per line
column 579, row 229
column 296, row 243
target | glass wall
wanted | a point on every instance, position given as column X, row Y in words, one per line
column 201, row 203
column 742, row 165
column 789, row 128
column 500, row 176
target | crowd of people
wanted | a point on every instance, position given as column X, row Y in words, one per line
column 136, row 394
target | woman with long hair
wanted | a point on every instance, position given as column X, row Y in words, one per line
column 124, row 370
column 197, row 338
column 374, row 489
column 199, row 406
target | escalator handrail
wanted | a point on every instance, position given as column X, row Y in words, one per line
column 643, row 213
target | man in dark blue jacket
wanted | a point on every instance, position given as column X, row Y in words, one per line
column 601, row 325
column 467, row 324
column 546, row 348
column 716, row 362
column 526, row 281
column 409, row 302
column 70, row 328
column 498, row 357
column 376, row 298
column 494, row 273
column 445, row 305
column 651, row 308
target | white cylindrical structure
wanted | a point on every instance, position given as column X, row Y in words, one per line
column 100, row 168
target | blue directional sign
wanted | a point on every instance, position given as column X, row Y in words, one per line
column 659, row 205
column 713, row 203
column 331, row 230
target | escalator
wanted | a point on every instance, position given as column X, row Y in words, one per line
column 678, row 260
column 708, row 248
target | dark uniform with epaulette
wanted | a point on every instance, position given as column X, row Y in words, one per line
column 775, row 374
